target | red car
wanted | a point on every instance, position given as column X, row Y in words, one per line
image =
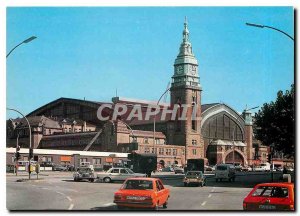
column 270, row 196
column 142, row 193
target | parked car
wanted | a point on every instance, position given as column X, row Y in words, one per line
column 142, row 193
column 290, row 169
column 238, row 168
column 246, row 169
column 46, row 164
column 59, row 168
column 225, row 172
column 178, row 170
column 70, row 168
column 208, row 168
column 167, row 169
column 118, row 174
column 194, row 177
column 270, row 196
column 84, row 173
column 263, row 167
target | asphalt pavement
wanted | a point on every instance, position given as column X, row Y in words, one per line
column 58, row 191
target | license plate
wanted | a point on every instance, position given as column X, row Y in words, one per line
column 267, row 207
column 134, row 198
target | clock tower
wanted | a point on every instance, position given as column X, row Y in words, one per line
column 186, row 91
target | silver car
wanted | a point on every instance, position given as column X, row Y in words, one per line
column 118, row 174
column 84, row 173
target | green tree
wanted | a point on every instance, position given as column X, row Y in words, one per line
column 275, row 123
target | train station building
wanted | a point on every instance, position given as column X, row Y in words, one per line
column 220, row 135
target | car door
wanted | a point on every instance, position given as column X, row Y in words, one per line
column 123, row 174
column 161, row 192
column 115, row 174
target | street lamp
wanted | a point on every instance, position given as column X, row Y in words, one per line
column 30, row 146
column 264, row 26
column 25, row 41
column 131, row 132
column 154, row 120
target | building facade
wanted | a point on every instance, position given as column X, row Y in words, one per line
column 219, row 134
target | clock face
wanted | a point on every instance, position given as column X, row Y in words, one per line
column 179, row 69
column 193, row 69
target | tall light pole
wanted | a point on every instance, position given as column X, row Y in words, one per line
column 130, row 130
column 270, row 27
column 30, row 146
column 154, row 120
column 25, row 41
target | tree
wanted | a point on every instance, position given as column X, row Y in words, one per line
column 275, row 123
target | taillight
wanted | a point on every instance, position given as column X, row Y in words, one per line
column 292, row 207
column 118, row 196
column 244, row 205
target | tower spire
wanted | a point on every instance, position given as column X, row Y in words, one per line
column 185, row 31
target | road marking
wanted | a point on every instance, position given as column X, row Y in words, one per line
column 203, row 204
column 60, row 193
column 46, row 188
column 71, row 206
column 69, row 198
column 209, row 196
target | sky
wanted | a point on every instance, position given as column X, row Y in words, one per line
column 92, row 52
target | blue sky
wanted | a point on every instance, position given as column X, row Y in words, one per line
column 92, row 51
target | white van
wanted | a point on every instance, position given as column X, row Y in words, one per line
column 225, row 171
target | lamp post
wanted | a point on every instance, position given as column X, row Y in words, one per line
column 30, row 146
column 131, row 131
column 270, row 27
column 25, row 41
column 233, row 146
column 154, row 120
column 271, row 166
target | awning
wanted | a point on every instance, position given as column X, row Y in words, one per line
column 227, row 143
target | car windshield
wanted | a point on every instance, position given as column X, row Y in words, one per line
column 130, row 171
column 138, row 185
column 194, row 173
column 221, row 167
column 84, row 170
column 279, row 192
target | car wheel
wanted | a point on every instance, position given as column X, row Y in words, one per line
column 165, row 205
column 156, row 207
column 91, row 180
column 107, row 180
column 120, row 207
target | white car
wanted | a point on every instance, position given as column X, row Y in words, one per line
column 118, row 174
